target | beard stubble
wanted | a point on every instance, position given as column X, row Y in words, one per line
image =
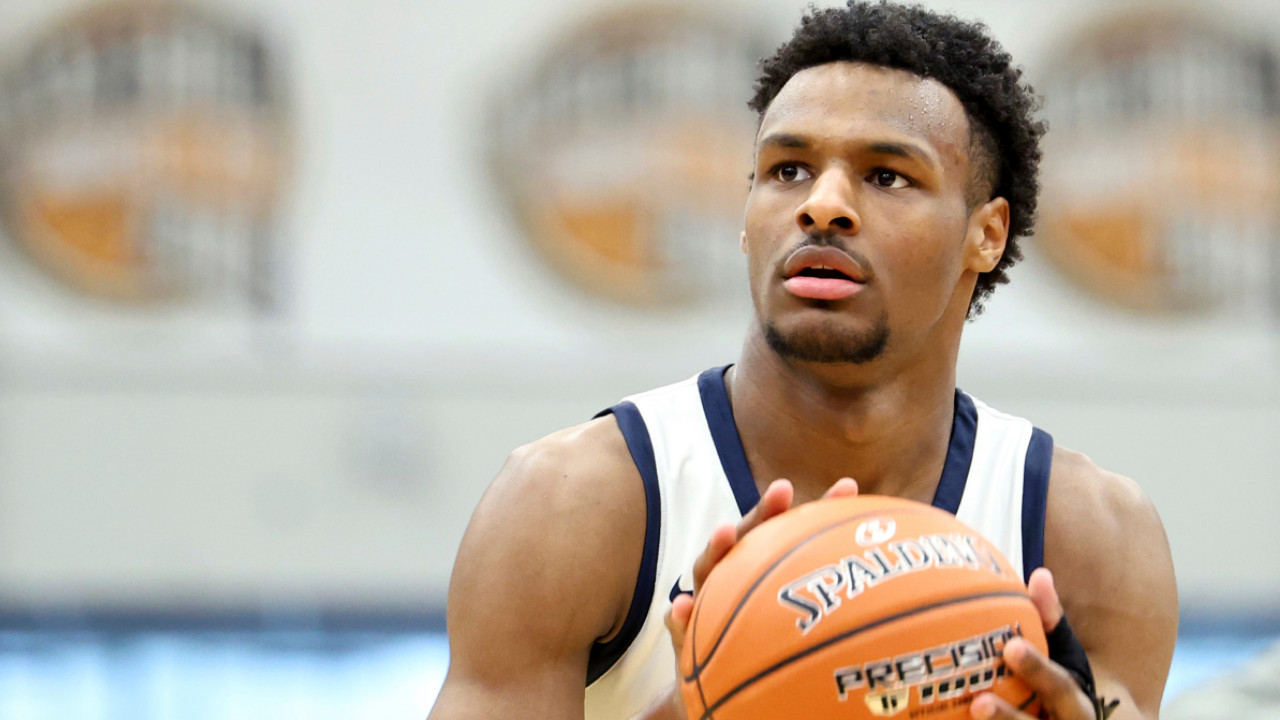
column 830, row 345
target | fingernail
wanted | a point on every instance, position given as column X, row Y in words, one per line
column 983, row 710
column 1015, row 652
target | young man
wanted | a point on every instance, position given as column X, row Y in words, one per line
column 895, row 171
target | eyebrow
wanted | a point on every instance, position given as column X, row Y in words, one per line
column 903, row 150
column 906, row 150
column 785, row 140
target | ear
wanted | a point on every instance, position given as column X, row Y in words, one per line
column 742, row 242
column 987, row 234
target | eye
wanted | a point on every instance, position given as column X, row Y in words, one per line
column 889, row 179
column 790, row 173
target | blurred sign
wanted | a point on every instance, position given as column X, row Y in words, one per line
column 624, row 152
column 1162, row 171
column 144, row 153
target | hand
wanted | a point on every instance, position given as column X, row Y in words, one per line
column 775, row 501
column 1060, row 696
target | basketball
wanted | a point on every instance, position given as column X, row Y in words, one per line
column 862, row 607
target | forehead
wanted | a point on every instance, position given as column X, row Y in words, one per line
column 855, row 100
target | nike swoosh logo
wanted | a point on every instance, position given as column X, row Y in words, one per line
column 677, row 590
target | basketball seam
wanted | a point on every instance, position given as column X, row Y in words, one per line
column 693, row 649
column 706, row 715
column 698, row 666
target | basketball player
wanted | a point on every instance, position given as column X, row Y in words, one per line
column 895, row 171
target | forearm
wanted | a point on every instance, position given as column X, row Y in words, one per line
column 1118, row 697
column 477, row 700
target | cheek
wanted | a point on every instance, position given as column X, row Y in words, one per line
column 760, row 265
column 927, row 266
column 759, row 238
column 758, row 215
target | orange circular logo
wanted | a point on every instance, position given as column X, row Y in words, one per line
column 1162, row 169
column 624, row 153
column 144, row 152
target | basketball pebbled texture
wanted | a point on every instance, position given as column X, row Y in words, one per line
column 862, row 607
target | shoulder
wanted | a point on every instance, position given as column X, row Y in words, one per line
column 574, row 481
column 1090, row 505
column 1083, row 494
column 579, row 466
column 565, row 517
column 541, row 574
column 1098, row 523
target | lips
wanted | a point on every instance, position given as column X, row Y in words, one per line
column 822, row 273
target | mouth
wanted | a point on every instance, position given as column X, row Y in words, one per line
column 822, row 273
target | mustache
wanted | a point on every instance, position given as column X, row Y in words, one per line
column 832, row 240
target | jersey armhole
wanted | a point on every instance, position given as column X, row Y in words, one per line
column 724, row 435
column 605, row 655
column 1035, row 499
column 955, row 471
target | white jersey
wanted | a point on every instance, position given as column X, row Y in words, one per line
column 685, row 444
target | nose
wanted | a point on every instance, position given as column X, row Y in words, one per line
column 829, row 206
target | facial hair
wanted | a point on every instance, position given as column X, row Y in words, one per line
column 830, row 345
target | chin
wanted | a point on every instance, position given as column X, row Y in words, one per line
column 827, row 341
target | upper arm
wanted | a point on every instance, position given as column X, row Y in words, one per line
column 545, row 569
column 1114, row 573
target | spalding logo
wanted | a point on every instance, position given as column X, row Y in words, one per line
column 817, row 594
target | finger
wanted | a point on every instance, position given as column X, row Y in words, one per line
column 775, row 500
column 844, row 487
column 722, row 541
column 678, row 620
column 988, row 706
column 1045, row 597
column 1058, row 691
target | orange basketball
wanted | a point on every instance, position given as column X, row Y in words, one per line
column 863, row 607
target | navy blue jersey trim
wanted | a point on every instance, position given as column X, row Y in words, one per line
column 1035, row 499
column 724, row 431
column 955, row 473
column 605, row 655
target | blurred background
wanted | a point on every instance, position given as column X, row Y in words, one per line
column 282, row 283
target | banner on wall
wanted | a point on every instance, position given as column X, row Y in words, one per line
column 145, row 154
column 1162, row 164
column 623, row 150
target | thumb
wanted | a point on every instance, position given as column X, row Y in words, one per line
column 1045, row 597
column 678, row 621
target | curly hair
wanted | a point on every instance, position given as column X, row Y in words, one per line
column 1004, row 134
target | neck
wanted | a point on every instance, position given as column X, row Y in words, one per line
column 885, row 424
